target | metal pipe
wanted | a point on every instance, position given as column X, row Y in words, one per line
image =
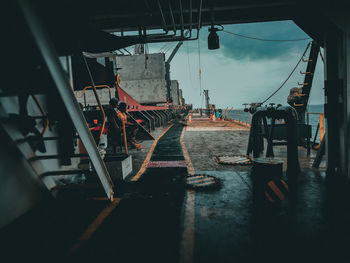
column 172, row 17
column 124, row 137
column 181, row 19
column 50, row 57
column 199, row 16
column 190, row 14
column 97, row 97
column 163, row 18
column 43, row 113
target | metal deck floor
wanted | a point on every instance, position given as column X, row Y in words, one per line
column 159, row 220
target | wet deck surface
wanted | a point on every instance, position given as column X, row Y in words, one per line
column 159, row 220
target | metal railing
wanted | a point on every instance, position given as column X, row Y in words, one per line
column 238, row 116
column 99, row 103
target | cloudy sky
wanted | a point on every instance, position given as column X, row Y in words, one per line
column 243, row 70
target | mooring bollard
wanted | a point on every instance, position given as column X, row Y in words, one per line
column 267, row 178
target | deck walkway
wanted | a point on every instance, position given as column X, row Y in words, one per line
column 157, row 219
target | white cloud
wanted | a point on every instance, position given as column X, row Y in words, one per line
column 233, row 79
column 234, row 82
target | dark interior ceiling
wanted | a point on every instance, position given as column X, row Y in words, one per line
column 85, row 24
column 133, row 14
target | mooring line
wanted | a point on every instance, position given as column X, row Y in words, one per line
column 106, row 211
column 187, row 242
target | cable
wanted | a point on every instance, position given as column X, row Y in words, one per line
column 268, row 40
column 200, row 69
column 170, row 47
column 284, row 82
column 189, row 66
column 163, row 47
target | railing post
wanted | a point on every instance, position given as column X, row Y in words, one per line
column 124, row 137
column 321, row 126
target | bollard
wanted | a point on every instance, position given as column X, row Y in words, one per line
column 267, row 179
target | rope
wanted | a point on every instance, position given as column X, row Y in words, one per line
column 284, row 82
column 263, row 39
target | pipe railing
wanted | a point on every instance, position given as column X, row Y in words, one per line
column 99, row 104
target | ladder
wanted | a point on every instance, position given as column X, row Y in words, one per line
column 69, row 105
column 309, row 75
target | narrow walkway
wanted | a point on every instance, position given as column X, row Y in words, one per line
column 146, row 224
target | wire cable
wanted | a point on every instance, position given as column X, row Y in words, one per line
column 284, row 82
column 163, row 47
column 263, row 39
column 173, row 44
column 199, row 68
column 189, row 66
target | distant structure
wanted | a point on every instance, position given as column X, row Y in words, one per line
column 143, row 77
column 206, row 95
column 174, row 88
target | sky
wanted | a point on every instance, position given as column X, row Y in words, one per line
column 243, row 70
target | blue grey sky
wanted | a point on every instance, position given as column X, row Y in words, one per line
column 243, row 70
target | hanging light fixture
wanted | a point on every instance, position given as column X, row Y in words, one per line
column 213, row 38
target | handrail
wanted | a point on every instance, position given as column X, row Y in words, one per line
column 99, row 104
column 124, row 137
column 43, row 113
column 89, row 87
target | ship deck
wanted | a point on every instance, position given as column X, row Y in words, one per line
column 155, row 218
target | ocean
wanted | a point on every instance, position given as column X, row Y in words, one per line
column 239, row 114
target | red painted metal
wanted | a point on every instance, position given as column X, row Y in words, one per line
column 163, row 164
column 134, row 105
